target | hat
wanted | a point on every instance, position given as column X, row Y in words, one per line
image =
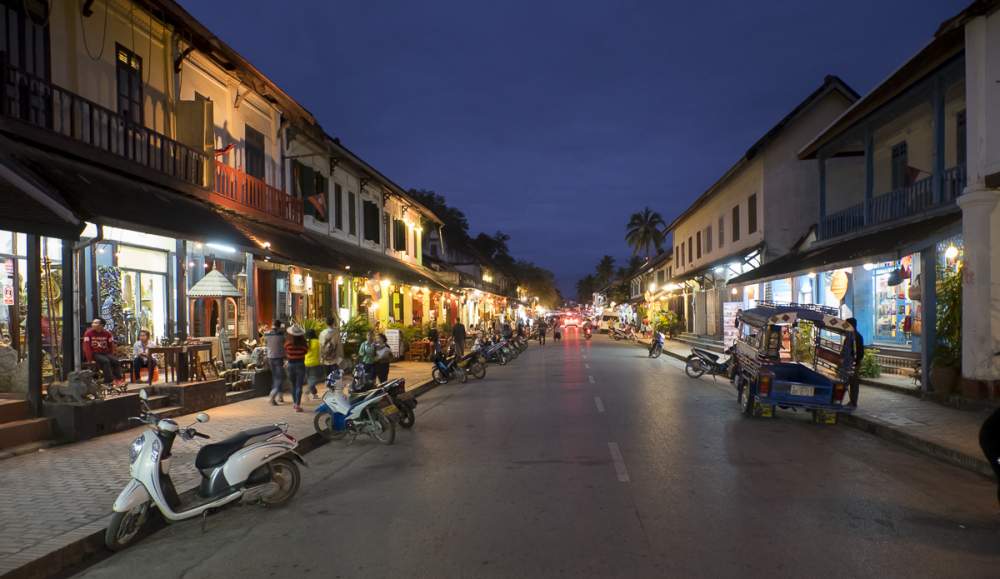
column 296, row 330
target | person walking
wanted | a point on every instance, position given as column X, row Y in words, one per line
column 314, row 368
column 99, row 347
column 275, row 341
column 141, row 357
column 458, row 336
column 542, row 328
column 296, row 349
column 856, row 354
column 366, row 355
column 331, row 350
column 383, row 357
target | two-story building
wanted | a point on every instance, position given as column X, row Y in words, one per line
column 751, row 215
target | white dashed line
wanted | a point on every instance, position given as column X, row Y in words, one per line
column 616, row 457
column 591, row 378
column 599, row 404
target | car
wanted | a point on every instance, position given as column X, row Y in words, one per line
column 570, row 320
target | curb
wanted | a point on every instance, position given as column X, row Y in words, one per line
column 89, row 548
column 951, row 456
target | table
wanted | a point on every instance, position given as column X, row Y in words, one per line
column 171, row 360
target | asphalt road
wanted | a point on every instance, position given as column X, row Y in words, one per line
column 587, row 459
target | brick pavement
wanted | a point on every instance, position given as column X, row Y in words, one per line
column 55, row 496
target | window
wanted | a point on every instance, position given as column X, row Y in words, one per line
column 900, row 166
column 661, row 277
column 722, row 231
column 677, row 254
column 129, row 72
column 371, row 227
column 752, row 214
column 736, row 224
column 399, row 235
column 682, row 253
column 24, row 36
column 960, row 138
column 697, row 237
column 253, row 143
column 690, row 249
column 708, row 239
column 352, row 212
column 434, row 249
column 311, row 186
column 338, row 206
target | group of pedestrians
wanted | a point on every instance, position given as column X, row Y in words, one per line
column 306, row 357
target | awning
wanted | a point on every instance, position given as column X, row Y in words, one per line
column 890, row 243
column 28, row 205
column 292, row 247
column 366, row 263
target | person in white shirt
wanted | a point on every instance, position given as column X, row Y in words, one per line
column 141, row 358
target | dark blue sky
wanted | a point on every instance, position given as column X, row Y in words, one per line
column 554, row 121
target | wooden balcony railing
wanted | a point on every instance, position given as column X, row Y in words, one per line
column 38, row 102
column 250, row 192
column 899, row 204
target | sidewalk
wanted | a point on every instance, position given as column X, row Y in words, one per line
column 57, row 497
column 946, row 433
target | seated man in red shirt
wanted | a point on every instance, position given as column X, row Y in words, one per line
column 99, row 347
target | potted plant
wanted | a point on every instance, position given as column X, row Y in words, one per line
column 946, row 364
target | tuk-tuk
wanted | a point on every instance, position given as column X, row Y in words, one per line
column 774, row 368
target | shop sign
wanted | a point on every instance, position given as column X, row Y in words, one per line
column 838, row 285
column 298, row 284
column 309, row 285
column 8, row 294
column 7, row 282
column 730, row 332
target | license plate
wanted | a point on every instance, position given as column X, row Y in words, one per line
column 389, row 410
column 796, row 390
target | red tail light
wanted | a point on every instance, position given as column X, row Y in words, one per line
column 764, row 385
column 838, row 392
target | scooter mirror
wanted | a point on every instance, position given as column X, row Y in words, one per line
column 202, row 417
column 143, row 394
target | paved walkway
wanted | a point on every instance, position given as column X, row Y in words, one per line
column 943, row 432
column 56, row 496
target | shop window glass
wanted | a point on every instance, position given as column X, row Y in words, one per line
column 142, row 259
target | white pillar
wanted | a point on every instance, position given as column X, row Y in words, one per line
column 980, row 287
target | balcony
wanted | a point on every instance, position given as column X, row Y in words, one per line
column 40, row 103
column 238, row 191
column 895, row 205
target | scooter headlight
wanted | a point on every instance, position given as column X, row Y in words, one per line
column 135, row 449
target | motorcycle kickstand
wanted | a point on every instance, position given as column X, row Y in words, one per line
column 204, row 520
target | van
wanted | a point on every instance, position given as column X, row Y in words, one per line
column 608, row 321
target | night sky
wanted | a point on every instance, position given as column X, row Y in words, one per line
column 554, row 121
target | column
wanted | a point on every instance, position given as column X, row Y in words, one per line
column 180, row 292
column 68, row 309
column 937, row 101
column 980, row 315
column 869, row 173
column 33, row 323
column 251, row 313
column 928, row 289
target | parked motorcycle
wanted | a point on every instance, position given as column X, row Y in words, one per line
column 656, row 346
column 446, row 369
column 702, row 361
column 494, row 351
column 622, row 333
column 402, row 404
column 474, row 363
column 259, row 465
column 354, row 414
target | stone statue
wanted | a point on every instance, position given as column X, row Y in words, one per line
column 81, row 387
column 13, row 375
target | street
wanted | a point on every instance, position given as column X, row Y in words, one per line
column 587, row 459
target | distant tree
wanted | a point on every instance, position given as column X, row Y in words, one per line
column 585, row 288
column 634, row 263
column 645, row 230
column 605, row 271
column 455, row 222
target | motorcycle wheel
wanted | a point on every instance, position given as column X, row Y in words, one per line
column 477, row 370
column 439, row 376
column 407, row 418
column 656, row 352
column 286, row 474
column 463, row 376
column 501, row 359
column 616, row 337
column 387, row 430
column 323, row 423
column 694, row 368
column 125, row 527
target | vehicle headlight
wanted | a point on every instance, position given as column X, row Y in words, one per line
column 135, row 449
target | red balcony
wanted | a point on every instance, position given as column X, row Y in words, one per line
column 238, row 191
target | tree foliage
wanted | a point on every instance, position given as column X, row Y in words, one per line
column 645, row 230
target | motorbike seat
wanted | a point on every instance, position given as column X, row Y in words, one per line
column 212, row 455
column 710, row 355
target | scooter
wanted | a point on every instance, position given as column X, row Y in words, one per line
column 341, row 414
column 474, row 363
column 259, row 465
column 656, row 347
column 403, row 404
column 447, row 368
column 587, row 332
column 702, row 361
column 621, row 334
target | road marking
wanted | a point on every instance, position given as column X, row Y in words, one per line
column 591, row 378
column 616, row 457
column 599, row 404
column 587, row 366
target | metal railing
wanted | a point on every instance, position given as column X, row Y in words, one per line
column 902, row 202
column 249, row 191
column 40, row 103
column 843, row 222
column 954, row 182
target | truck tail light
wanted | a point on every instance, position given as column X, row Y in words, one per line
column 764, row 386
column 838, row 392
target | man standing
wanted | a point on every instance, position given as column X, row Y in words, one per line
column 99, row 347
column 857, row 354
column 331, row 351
column 458, row 336
column 275, row 340
column 542, row 328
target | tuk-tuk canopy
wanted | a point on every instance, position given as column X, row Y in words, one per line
column 787, row 315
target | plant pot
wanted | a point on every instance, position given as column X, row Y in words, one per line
column 943, row 378
column 971, row 389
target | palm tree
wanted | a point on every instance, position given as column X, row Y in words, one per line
column 605, row 270
column 645, row 230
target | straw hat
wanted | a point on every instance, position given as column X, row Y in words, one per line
column 296, row 330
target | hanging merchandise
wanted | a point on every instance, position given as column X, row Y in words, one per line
column 895, row 278
column 839, row 283
column 915, row 292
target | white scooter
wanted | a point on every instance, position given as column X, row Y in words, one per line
column 256, row 465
